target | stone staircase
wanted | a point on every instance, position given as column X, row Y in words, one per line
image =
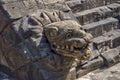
column 101, row 18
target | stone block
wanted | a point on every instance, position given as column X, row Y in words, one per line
column 102, row 43
column 108, row 40
column 105, row 11
column 76, row 5
column 93, row 15
column 113, row 1
column 85, row 17
column 80, row 5
column 94, row 28
column 111, row 57
column 29, row 3
column 98, row 28
column 115, row 7
column 71, row 74
column 2, row 22
column 15, row 9
column 94, row 3
column 90, row 66
column 115, row 37
column 7, row 1
column 118, row 49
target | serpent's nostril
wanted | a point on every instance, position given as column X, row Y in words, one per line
column 54, row 46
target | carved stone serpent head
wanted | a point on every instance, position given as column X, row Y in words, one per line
column 67, row 38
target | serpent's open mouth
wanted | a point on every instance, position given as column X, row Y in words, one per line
column 67, row 38
column 67, row 47
column 70, row 51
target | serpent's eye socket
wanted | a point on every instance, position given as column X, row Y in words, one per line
column 53, row 33
column 68, row 35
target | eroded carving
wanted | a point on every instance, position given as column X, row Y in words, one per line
column 67, row 38
column 51, row 45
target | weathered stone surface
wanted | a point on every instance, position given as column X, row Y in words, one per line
column 111, row 73
column 90, row 66
column 98, row 28
column 25, row 49
column 115, row 37
column 15, row 9
column 107, row 41
column 111, row 57
column 102, row 43
column 95, row 53
column 118, row 48
column 71, row 74
column 4, row 76
column 86, row 16
column 115, row 7
column 80, row 5
column 93, row 15
column 76, row 5
column 2, row 22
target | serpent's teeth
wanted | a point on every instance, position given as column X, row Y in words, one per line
column 62, row 47
column 58, row 46
column 67, row 47
column 71, row 48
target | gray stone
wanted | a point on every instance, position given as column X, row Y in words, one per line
column 111, row 57
column 108, row 40
column 118, row 48
column 80, row 5
column 25, row 49
column 15, row 9
column 102, row 43
column 85, row 17
column 115, row 7
column 2, row 22
column 90, row 66
column 93, row 15
column 111, row 73
column 115, row 37
column 76, row 5
column 98, row 28
column 71, row 74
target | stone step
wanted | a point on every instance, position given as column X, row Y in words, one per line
column 90, row 66
column 99, row 13
column 80, row 5
column 100, row 27
column 107, row 59
column 111, row 57
column 115, row 7
column 107, row 41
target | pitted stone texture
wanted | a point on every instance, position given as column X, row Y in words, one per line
column 80, row 5
column 15, row 9
column 111, row 57
column 98, row 13
column 115, row 7
column 29, row 44
column 108, row 40
column 89, row 66
column 71, row 74
column 118, row 49
column 93, row 15
column 112, row 73
column 100, row 27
